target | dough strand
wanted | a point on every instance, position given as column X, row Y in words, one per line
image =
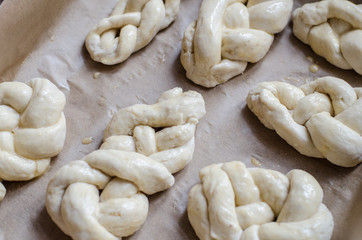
column 333, row 28
column 134, row 160
column 131, row 26
column 228, row 35
column 282, row 207
column 321, row 119
column 32, row 128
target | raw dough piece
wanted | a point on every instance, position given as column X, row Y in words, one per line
column 134, row 160
column 321, row 119
column 333, row 28
column 130, row 27
column 235, row 202
column 229, row 34
column 32, row 128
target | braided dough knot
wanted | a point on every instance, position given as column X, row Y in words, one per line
column 320, row 119
column 234, row 202
column 32, row 128
column 333, row 28
column 134, row 160
column 130, row 27
column 229, row 34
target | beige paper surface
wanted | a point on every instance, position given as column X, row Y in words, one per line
column 43, row 38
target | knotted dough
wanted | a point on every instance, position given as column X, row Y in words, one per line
column 235, row 202
column 130, row 27
column 229, row 34
column 321, row 119
column 333, row 28
column 32, row 128
column 134, row 160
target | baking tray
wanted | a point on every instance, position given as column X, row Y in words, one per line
column 43, row 38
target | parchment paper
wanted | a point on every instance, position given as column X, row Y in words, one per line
column 42, row 38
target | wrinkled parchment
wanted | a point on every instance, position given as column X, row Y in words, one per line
column 41, row 38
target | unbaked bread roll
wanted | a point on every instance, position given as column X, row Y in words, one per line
column 134, row 160
column 32, row 128
column 130, row 27
column 235, row 202
column 321, row 119
column 229, row 34
column 333, row 28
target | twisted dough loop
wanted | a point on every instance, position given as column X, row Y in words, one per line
column 32, row 128
column 229, row 34
column 320, row 119
column 233, row 202
column 333, row 28
column 133, row 160
column 131, row 26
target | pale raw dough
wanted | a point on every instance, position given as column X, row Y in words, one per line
column 32, row 128
column 333, row 28
column 133, row 160
column 229, row 34
column 321, row 119
column 130, row 27
column 234, row 202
